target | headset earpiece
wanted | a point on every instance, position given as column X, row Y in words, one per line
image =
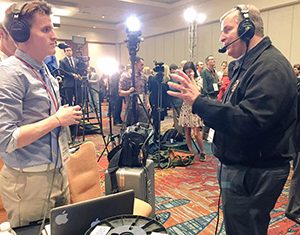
column 246, row 28
column 19, row 29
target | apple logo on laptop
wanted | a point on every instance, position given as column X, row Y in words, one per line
column 61, row 218
column 95, row 222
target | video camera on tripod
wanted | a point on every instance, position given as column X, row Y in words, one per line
column 82, row 65
column 159, row 69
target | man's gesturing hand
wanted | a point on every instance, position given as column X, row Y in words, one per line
column 187, row 89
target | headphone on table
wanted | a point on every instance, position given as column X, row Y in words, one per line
column 19, row 28
column 246, row 28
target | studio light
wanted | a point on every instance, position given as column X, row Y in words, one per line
column 133, row 24
column 193, row 18
column 190, row 15
column 108, row 65
column 201, row 17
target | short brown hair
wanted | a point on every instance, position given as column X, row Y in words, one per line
column 26, row 12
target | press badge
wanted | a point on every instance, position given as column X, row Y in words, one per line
column 63, row 141
column 216, row 87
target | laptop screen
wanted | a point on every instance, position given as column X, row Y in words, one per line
column 77, row 218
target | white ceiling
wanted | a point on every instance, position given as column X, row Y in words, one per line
column 109, row 14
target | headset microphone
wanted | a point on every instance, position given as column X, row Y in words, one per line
column 224, row 48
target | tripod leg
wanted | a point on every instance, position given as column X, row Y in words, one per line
column 145, row 110
column 98, row 119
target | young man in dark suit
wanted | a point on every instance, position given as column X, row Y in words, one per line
column 68, row 69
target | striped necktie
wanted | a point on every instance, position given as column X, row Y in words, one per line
column 71, row 62
column 54, row 146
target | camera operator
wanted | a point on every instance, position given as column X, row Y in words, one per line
column 94, row 84
column 68, row 68
column 158, row 95
column 127, row 90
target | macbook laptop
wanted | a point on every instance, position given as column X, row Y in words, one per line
column 77, row 218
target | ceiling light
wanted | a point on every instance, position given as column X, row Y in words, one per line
column 62, row 11
column 55, row 20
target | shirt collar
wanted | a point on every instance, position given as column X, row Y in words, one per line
column 32, row 62
column 255, row 52
column 2, row 56
column 251, row 56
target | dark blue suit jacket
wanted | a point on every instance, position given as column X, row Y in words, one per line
column 67, row 71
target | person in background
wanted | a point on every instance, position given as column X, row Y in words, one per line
column 222, row 70
column 7, row 45
column 182, row 63
column 210, row 86
column 191, row 121
column 33, row 141
column 297, row 70
column 116, row 100
column 130, row 92
column 254, row 125
column 94, row 88
column 293, row 208
column 70, row 75
column 200, row 67
column 224, row 84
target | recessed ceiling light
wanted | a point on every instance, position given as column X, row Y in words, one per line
column 103, row 16
column 94, row 27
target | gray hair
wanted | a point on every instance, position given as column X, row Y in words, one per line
column 254, row 15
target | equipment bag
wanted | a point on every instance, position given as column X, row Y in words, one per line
column 132, row 152
column 172, row 134
column 180, row 158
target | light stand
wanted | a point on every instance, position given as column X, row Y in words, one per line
column 133, row 41
column 193, row 18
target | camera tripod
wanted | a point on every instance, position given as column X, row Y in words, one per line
column 111, row 138
column 132, row 105
column 86, row 92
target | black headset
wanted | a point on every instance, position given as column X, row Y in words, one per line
column 19, row 28
column 246, row 28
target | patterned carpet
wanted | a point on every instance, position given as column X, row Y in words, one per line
column 187, row 197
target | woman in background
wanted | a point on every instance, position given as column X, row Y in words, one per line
column 224, row 84
column 187, row 119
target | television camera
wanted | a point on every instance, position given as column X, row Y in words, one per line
column 82, row 65
column 159, row 69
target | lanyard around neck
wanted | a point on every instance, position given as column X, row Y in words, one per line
column 50, row 93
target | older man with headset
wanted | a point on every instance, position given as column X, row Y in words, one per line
column 254, row 123
column 32, row 138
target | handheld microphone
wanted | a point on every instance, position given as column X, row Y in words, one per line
column 62, row 46
column 224, row 48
